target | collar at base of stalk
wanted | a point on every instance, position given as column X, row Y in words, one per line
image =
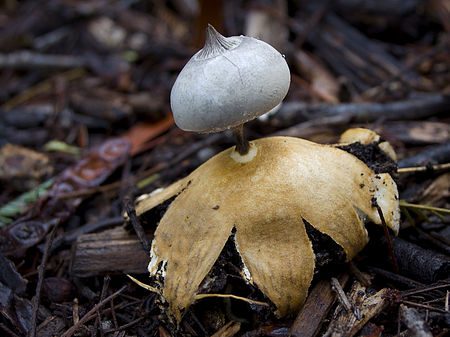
column 244, row 151
column 245, row 158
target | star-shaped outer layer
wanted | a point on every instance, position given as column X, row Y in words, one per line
column 265, row 200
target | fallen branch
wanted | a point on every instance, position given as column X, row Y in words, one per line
column 423, row 265
column 306, row 116
column 29, row 60
column 439, row 154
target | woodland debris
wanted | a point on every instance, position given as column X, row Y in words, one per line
column 431, row 168
column 308, row 115
column 347, row 323
column 437, row 192
column 228, row 330
column 58, row 289
column 111, row 251
column 41, row 272
column 397, row 279
column 264, row 26
column 342, row 297
column 352, row 54
column 423, row 265
column 87, row 173
column 107, row 33
column 416, row 132
column 434, row 241
column 26, row 117
column 357, row 45
column 90, row 171
column 10, row 278
column 95, row 226
column 131, row 212
column 16, row 309
column 89, row 315
column 414, row 321
column 389, row 9
column 311, row 317
column 22, row 166
column 437, row 154
column 101, row 104
column 126, row 78
column 319, row 76
column 371, row 330
column 26, row 60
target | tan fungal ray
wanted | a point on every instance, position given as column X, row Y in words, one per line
column 324, row 182
column 265, row 199
column 187, row 242
column 366, row 136
column 160, row 196
column 283, row 269
column 386, row 194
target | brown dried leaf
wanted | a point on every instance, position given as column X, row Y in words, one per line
column 437, row 192
column 18, row 163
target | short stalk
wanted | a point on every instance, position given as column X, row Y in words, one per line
column 242, row 144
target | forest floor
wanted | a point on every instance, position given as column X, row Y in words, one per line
column 86, row 128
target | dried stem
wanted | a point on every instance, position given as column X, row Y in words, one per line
column 342, row 297
column 129, row 207
column 202, row 296
column 41, row 271
column 388, row 240
column 424, row 306
column 242, row 145
column 424, row 168
column 89, row 315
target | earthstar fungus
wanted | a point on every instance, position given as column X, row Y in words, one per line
column 262, row 201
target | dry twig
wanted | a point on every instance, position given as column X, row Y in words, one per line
column 37, row 296
column 89, row 315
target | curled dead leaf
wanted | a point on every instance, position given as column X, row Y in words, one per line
column 264, row 203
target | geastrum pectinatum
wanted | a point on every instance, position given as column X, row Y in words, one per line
column 262, row 193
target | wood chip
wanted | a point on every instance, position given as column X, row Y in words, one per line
column 115, row 250
column 347, row 324
column 317, row 306
column 228, row 330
